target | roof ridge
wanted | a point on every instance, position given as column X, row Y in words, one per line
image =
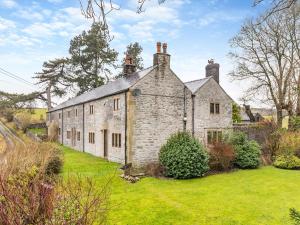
column 196, row 80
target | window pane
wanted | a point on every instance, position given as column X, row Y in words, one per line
column 119, row 140
column 214, row 136
column 217, row 108
column 212, row 108
column 209, row 138
column 112, row 140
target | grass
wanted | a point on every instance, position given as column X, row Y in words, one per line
column 2, row 144
column 261, row 196
column 38, row 131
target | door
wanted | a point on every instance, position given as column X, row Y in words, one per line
column 105, row 143
column 73, row 136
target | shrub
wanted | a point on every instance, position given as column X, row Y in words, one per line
column 287, row 162
column 289, row 143
column 247, row 152
column 221, row 156
column 295, row 216
column 24, row 120
column 295, row 123
column 54, row 165
column 183, row 157
column 8, row 115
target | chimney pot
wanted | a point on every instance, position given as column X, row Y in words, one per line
column 212, row 70
column 129, row 66
column 165, row 46
column 158, row 47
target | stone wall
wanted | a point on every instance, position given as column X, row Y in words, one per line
column 211, row 92
column 104, row 117
column 155, row 114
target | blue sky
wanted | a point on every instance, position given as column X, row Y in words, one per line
column 195, row 30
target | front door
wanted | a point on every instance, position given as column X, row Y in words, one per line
column 73, row 136
column 105, row 143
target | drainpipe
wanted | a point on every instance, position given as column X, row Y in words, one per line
column 125, row 150
column 193, row 115
column 83, row 134
column 62, row 126
column 184, row 109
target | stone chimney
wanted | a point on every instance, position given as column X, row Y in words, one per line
column 212, row 70
column 161, row 58
column 129, row 66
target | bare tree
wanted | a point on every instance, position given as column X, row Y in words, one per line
column 277, row 5
column 97, row 10
column 266, row 56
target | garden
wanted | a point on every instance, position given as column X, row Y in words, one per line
column 225, row 184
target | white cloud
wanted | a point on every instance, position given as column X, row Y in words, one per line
column 55, row 1
column 220, row 16
column 6, row 24
column 8, row 3
column 29, row 15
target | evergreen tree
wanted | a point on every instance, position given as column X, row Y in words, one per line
column 134, row 50
column 236, row 113
column 54, row 78
column 91, row 58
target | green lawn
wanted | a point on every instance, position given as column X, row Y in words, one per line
column 262, row 196
column 38, row 131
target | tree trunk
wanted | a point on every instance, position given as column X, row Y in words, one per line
column 298, row 97
column 279, row 117
column 49, row 103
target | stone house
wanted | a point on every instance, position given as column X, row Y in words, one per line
column 129, row 119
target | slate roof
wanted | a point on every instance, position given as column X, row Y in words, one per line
column 113, row 87
column 196, row 84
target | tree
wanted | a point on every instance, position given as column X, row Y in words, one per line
column 134, row 50
column 91, row 58
column 17, row 101
column 277, row 5
column 236, row 113
column 54, row 78
column 266, row 56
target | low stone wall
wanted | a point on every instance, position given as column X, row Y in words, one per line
column 259, row 133
column 33, row 136
column 255, row 131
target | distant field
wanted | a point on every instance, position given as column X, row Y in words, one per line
column 38, row 131
column 37, row 115
column 285, row 122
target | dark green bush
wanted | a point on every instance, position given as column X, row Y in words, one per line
column 54, row 164
column 183, row 157
column 295, row 216
column 295, row 123
column 247, row 152
column 287, row 162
